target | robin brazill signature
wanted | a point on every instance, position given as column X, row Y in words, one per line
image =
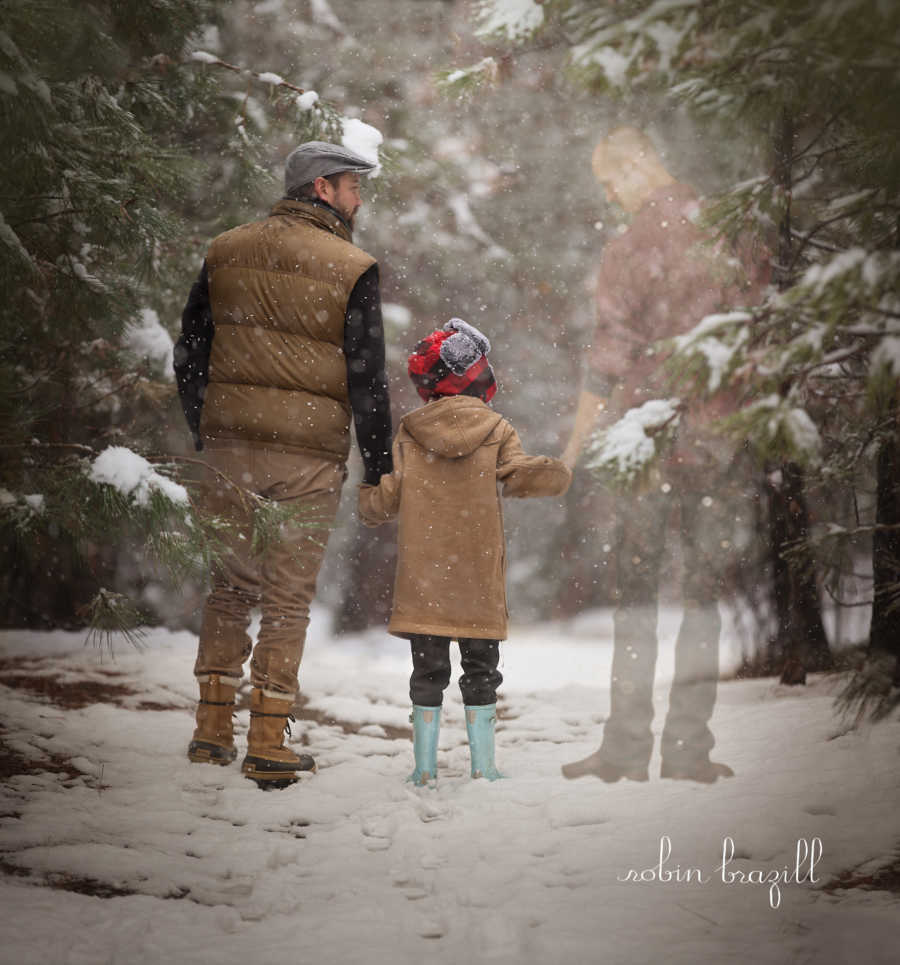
column 807, row 854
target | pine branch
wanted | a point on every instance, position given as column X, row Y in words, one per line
column 111, row 613
column 127, row 382
column 201, row 57
column 807, row 239
column 71, row 212
column 873, row 690
column 35, row 444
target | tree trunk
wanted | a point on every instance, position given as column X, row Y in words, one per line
column 801, row 644
column 884, row 632
column 784, row 159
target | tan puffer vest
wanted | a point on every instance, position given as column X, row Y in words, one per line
column 279, row 290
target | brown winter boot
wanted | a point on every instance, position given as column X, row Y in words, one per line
column 268, row 761
column 213, row 741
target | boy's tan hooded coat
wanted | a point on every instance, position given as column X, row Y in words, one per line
column 449, row 456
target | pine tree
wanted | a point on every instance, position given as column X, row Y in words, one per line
column 107, row 109
column 819, row 361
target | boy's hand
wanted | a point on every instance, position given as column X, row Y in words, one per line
column 378, row 504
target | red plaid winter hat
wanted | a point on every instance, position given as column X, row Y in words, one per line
column 451, row 361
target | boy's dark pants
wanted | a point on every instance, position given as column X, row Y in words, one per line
column 431, row 670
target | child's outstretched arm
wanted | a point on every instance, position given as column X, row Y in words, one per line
column 378, row 504
column 523, row 475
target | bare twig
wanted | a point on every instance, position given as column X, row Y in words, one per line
column 35, row 444
column 47, row 217
column 821, row 245
column 218, row 62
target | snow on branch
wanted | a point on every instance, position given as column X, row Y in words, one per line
column 513, row 20
column 614, row 45
column 264, row 76
column 866, row 269
column 134, row 477
column 148, row 339
column 356, row 135
column 714, row 343
column 465, row 80
column 21, row 507
column 887, row 355
column 778, row 426
column 628, row 447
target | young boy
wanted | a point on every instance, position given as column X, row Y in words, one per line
column 450, row 584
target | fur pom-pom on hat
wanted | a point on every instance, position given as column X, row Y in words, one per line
column 451, row 361
column 464, row 346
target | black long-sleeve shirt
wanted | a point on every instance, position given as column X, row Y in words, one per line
column 363, row 348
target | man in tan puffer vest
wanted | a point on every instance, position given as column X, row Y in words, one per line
column 282, row 345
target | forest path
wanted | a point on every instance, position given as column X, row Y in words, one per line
column 103, row 821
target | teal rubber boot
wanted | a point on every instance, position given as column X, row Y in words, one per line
column 480, row 728
column 426, row 723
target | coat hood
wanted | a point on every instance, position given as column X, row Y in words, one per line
column 453, row 426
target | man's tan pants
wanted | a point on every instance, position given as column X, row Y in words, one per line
column 281, row 579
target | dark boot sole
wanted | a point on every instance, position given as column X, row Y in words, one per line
column 273, row 785
column 202, row 752
column 278, row 774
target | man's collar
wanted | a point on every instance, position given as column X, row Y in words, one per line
column 334, row 211
column 318, row 212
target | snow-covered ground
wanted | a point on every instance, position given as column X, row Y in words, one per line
column 353, row 865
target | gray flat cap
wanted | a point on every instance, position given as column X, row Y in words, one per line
column 318, row 159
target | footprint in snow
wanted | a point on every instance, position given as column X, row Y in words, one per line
column 427, row 807
column 379, row 830
column 432, row 928
column 293, row 829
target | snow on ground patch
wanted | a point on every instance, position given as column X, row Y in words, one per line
column 353, row 865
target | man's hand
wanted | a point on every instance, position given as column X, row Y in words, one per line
column 570, row 454
column 590, row 408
